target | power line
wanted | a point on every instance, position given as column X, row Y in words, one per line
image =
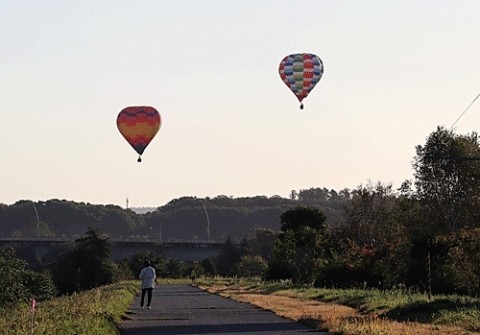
column 466, row 109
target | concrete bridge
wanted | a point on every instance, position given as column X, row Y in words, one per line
column 48, row 248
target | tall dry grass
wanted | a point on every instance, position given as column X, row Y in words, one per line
column 94, row 312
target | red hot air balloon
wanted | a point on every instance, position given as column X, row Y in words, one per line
column 301, row 72
column 139, row 125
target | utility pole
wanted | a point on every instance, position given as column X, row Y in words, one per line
column 127, row 203
column 38, row 220
column 208, row 222
column 429, row 264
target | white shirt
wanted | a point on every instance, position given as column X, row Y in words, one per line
column 147, row 275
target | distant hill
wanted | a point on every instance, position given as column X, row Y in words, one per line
column 184, row 218
column 222, row 216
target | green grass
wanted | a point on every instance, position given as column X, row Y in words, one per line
column 94, row 312
column 173, row 281
column 401, row 305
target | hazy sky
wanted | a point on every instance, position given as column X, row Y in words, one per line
column 394, row 71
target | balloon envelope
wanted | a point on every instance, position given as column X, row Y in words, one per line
column 139, row 125
column 301, row 72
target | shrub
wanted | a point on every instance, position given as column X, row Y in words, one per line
column 19, row 284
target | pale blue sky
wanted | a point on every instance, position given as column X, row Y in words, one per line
column 394, row 71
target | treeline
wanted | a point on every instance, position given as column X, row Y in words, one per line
column 423, row 236
column 86, row 265
column 65, row 218
column 185, row 218
column 222, row 216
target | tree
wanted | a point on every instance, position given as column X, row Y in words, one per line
column 17, row 283
column 252, row 266
column 293, row 195
column 87, row 266
column 40, row 285
column 208, row 267
column 228, row 258
column 175, row 269
column 295, row 219
column 262, row 244
column 299, row 249
column 447, row 180
column 12, row 276
column 93, row 259
column 376, row 250
column 372, row 217
column 455, row 267
column 158, row 262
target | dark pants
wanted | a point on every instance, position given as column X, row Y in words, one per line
column 149, row 301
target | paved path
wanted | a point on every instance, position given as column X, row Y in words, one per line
column 182, row 309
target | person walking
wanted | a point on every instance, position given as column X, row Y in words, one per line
column 147, row 276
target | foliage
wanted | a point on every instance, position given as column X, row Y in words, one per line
column 372, row 246
column 456, row 265
column 300, row 217
column 252, row 266
column 262, row 244
column 122, row 271
column 176, row 269
column 158, row 262
column 12, row 272
column 61, row 217
column 17, row 283
column 94, row 312
column 87, row 266
column 168, row 268
column 209, row 267
column 40, row 285
column 299, row 249
column 447, row 173
column 422, row 235
column 228, row 258
column 186, row 217
column 371, row 218
column 216, row 218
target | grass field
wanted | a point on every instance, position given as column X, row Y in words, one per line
column 358, row 312
column 94, row 312
column 345, row 312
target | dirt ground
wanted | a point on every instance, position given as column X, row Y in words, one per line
column 334, row 318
